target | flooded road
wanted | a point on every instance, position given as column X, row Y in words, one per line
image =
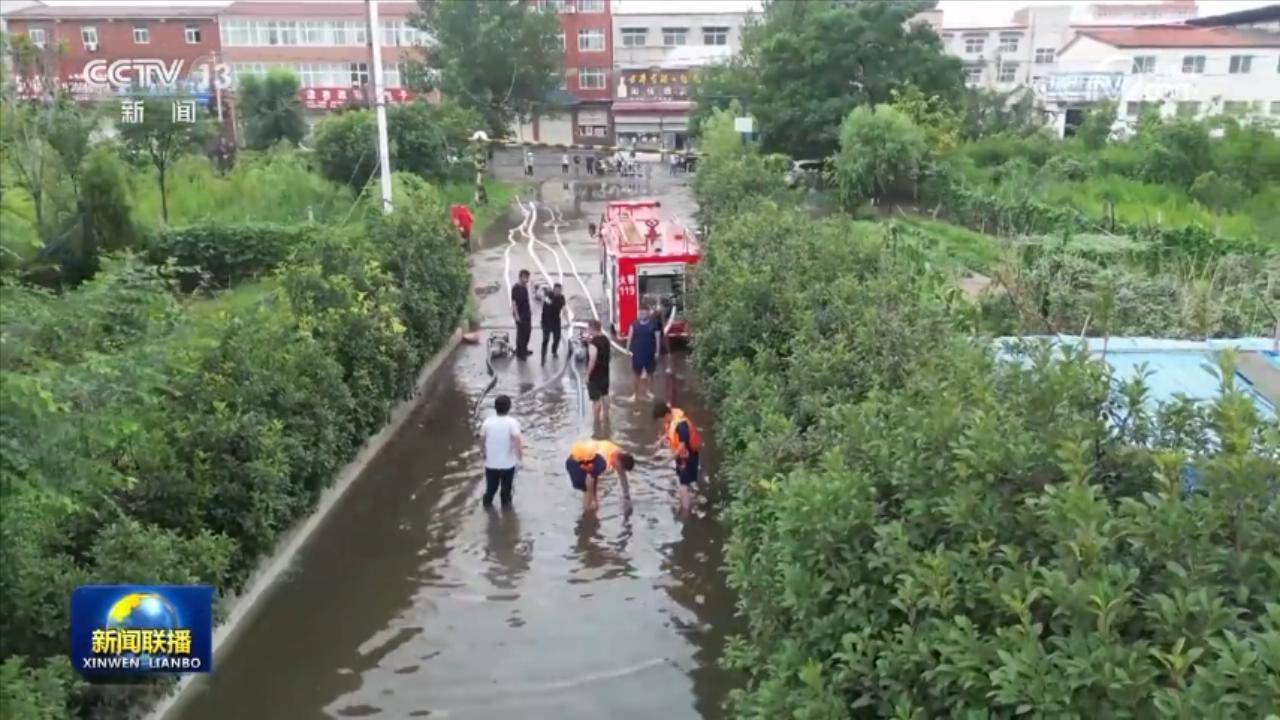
column 413, row 601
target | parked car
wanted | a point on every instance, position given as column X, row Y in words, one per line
column 807, row 173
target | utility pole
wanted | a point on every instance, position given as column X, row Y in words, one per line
column 380, row 100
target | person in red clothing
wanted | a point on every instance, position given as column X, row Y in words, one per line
column 462, row 219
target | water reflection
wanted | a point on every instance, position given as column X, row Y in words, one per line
column 601, row 558
column 507, row 553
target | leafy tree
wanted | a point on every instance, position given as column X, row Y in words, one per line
column 1174, row 152
column 161, row 138
column 733, row 175
column 500, row 59
column 717, row 88
column 987, row 112
column 417, row 139
column 813, row 62
column 1095, row 130
column 940, row 123
column 271, row 110
column 882, row 153
column 1222, row 193
column 1250, row 154
column 346, row 147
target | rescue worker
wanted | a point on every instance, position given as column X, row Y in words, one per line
column 590, row 459
column 682, row 437
column 462, row 220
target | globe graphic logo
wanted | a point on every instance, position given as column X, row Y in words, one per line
column 143, row 611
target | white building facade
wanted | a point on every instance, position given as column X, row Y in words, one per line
column 657, row 58
column 1177, row 71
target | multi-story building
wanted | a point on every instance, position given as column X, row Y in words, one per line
column 1176, row 70
column 1022, row 52
column 579, row 110
column 658, row 57
column 325, row 44
column 103, row 51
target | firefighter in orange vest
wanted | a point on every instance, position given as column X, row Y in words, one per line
column 588, row 460
column 685, row 445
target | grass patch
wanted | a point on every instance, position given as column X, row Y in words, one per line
column 955, row 245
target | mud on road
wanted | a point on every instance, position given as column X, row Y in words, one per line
column 413, row 601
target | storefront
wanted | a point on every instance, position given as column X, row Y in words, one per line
column 653, row 108
column 592, row 126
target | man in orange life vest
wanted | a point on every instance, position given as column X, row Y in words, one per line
column 685, row 445
column 588, row 460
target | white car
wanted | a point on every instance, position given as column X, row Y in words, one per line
column 807, row 173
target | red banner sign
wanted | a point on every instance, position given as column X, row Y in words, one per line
column 335, row 98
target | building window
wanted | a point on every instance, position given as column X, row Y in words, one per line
column 37, row 36
column 590, row 6
column 393, row 76
column 974, row 44
column 1241, row 64
column 673, row 36
column 635, row 37
column 947, row 38
column 1144, row 64
column 715, row 36
column 141, row 35
column 1192, row 64
column 1008, row 73
column 591, row 40
column 89, row 36
column 1045, row 56
column 191, row 34
column 1188, row 109
column 1236, row 107
column 551, row 5
column 1009, row 42
column 973, row 75
column 591, row 78
column 1136, row 109
column 359, row 73
column 560, row 39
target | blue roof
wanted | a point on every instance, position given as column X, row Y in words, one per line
column 1175, row 367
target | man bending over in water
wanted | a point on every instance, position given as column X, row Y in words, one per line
column 590, row 459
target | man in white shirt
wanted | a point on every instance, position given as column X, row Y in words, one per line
column 502, row 449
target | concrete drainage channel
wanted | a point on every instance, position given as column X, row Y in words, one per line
column 241, row 607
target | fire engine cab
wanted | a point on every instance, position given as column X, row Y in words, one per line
column 646, row 259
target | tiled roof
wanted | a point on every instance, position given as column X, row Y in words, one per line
column 1173, row 36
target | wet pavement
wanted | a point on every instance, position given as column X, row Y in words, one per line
column 413, row 601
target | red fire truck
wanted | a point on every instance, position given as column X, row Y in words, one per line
column 646, row 259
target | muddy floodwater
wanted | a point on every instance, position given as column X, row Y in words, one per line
column 413, row 601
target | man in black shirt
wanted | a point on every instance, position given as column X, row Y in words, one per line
column 598, row 351
column 522, row 314
column 552, row 310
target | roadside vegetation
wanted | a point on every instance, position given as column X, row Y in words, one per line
column 193, row 342
column 922, row 529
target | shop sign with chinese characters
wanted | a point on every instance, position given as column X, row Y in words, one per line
column 336, row 98
column 658, row 84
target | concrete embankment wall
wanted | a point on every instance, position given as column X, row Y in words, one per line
column 240, row 607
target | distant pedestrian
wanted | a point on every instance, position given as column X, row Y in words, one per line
column 528, row 162
column 564, row 164
column 577, row 164
column 522, row 314
column 591, row 164
column 502, row 449
column 675, row 163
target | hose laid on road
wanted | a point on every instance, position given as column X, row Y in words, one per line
column 573, row 267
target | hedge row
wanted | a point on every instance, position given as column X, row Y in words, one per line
column 223, row 255
column 181, row 456
column 920, row 530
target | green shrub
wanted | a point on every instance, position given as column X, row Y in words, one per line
column 1175, row 153
column 223, row 255
column 37, row 693
column 882, row 154
column 1217, row 192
